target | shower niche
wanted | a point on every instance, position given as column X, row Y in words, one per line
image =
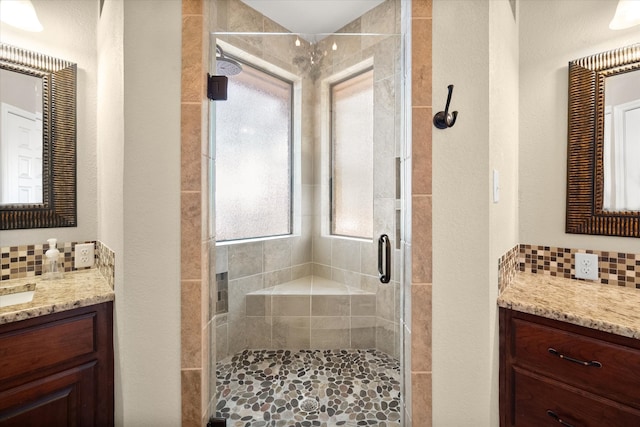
column 309, row 326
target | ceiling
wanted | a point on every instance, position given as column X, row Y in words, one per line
column 313, row 16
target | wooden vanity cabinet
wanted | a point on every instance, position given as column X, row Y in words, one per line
column 57, row 370
column 554, row 373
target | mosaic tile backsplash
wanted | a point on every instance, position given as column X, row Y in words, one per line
column 26, row 260
column 508, row 267
column 106, row 263
column 614, row 268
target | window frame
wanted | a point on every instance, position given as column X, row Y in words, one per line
column 293, row 197
column 331, row 148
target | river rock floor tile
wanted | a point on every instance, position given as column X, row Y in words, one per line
column 309, row 388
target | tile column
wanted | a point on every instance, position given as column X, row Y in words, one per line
column 421, row 213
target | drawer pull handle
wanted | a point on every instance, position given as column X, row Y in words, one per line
column 593, row 363
column 558, row 419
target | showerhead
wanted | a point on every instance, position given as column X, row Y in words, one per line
column 226, row 66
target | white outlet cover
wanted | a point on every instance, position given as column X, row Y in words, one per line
column 586, row 266
column 84, row 255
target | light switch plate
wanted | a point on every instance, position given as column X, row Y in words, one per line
column 84, row 255
column 496, row 186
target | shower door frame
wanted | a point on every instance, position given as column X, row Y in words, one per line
column 403, row 173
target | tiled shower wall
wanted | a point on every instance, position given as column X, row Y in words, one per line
column 354, row 263
column 252, row 266
column 196, row 326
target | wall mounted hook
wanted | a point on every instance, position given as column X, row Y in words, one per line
column 443, row 119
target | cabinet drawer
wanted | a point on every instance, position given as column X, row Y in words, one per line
column 617, row 377
column 540, row 401
column 43, row 346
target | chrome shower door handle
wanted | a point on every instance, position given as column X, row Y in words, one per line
column 384, row 265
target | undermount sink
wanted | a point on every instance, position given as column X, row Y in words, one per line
column 16, row 294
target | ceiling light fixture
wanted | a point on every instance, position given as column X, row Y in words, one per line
column 627, row 15
column 20, row 14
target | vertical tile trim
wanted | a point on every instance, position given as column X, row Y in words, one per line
column 194, row 339
column 420, row 407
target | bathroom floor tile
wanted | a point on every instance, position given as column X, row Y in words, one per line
column 324, row 388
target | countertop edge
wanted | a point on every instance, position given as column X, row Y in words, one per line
column 574, row 319
column 529, row 296
column 75, row 290
column 32, row 312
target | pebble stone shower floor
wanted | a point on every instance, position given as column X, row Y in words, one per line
column 305, row 388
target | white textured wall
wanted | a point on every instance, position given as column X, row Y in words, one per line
column 475, row 49
column 110, row 154
column 461, row 215
column 552, row 33
column 148, row 297
column 503, row 157
column 110, row 150
column 69, row 33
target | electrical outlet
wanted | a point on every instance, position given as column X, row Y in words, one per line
column 586, row 266
column 84, row 255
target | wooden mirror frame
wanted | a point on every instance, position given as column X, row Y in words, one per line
column 585, row 168
column 58, row 207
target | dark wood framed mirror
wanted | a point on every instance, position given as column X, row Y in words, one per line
column 603, row 158
column 47, row 166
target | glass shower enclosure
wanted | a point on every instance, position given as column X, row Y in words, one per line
column 309, row 180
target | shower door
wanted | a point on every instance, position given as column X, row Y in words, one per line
column 309, row 149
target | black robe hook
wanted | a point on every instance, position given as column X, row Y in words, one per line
column 443, row 119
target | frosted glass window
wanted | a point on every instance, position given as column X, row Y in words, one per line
column 352, row 156
column 253, row 157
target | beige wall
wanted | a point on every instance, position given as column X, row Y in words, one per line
column 148, row 326
column 138, row 192
column 110, row 124
column 552, row 34
column 70, row 34
column 475, row 48
column 110, row 156
column 461, row 305
column 503, row 157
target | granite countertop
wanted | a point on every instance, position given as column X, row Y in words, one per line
column 76, row 289
column 607, row 308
